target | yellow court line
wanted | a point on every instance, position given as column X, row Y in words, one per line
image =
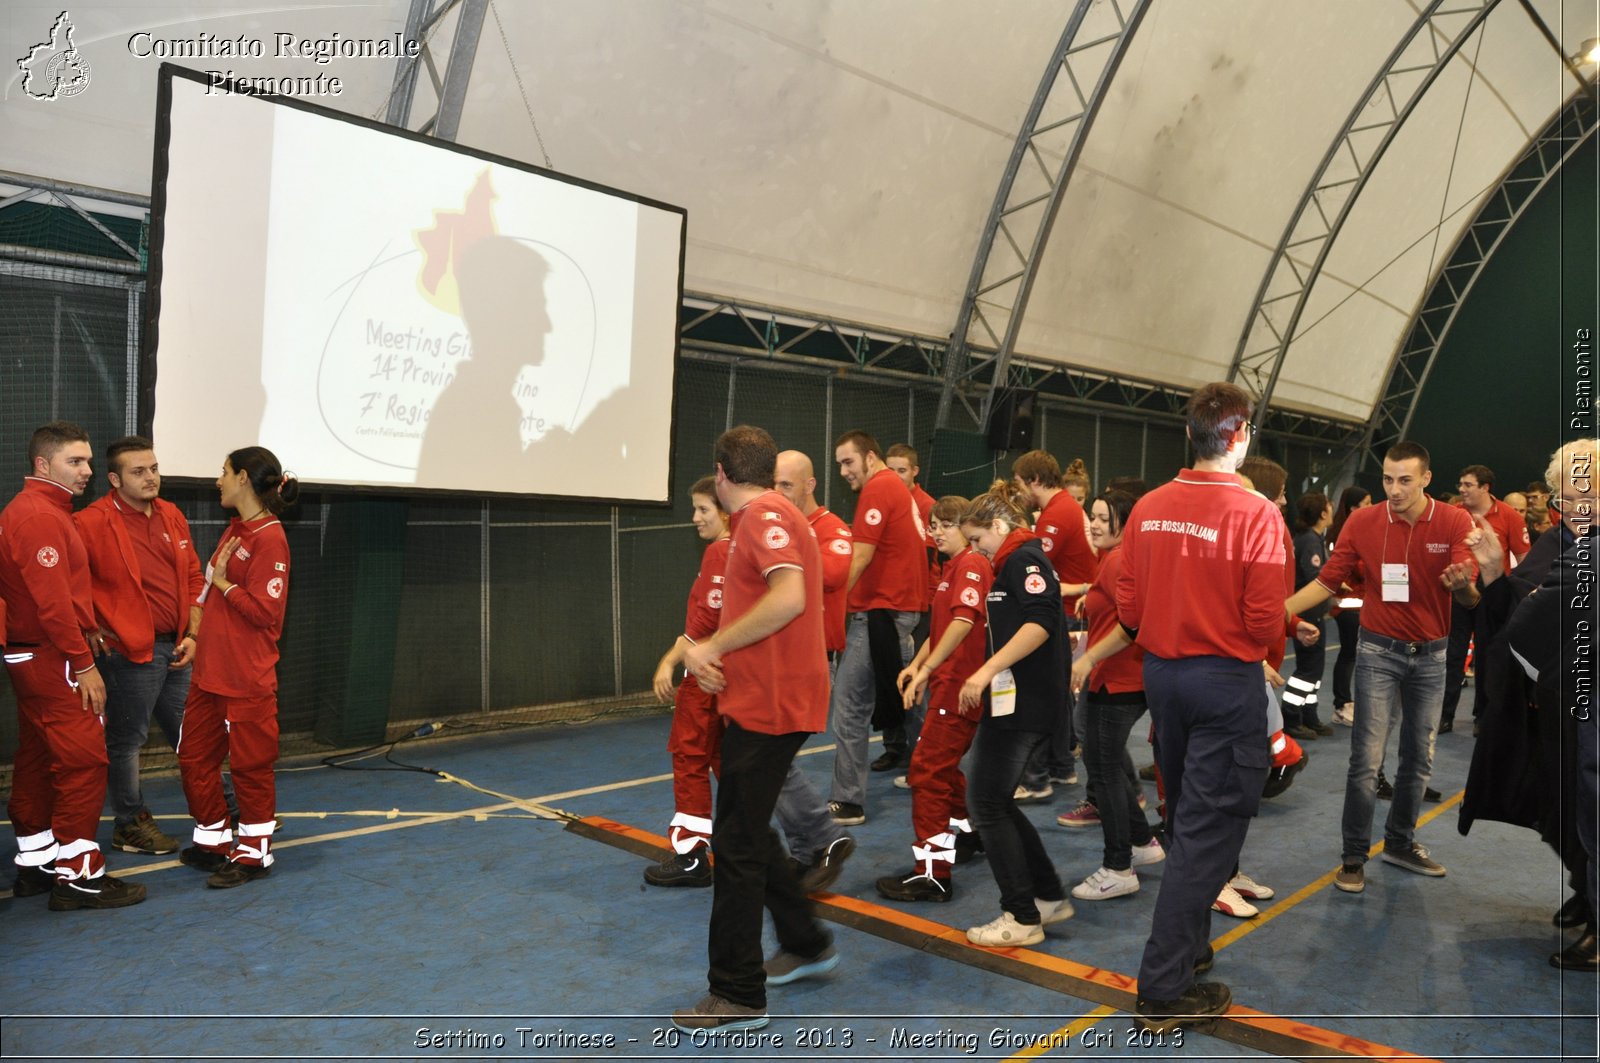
column 1064, row 1035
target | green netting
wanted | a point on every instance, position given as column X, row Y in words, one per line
column 422, row 608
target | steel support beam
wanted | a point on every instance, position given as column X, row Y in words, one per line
column 1351, row 159
column 1025, row 205
column 423, row 23
column 1573, row 126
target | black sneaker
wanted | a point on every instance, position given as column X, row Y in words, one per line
column 68, row 895
column 915, row 887
column 1279, row 779
column 1206, row 961
column 681, row 869
column 968, row 846
column 234, row 874
column 1385, row 789
column 32, row 881
column 846, row 814
column 826, row 865
column 1195, row 1010
column 203, row 859
column 887, row 761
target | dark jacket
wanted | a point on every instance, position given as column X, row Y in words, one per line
column 1026, row 590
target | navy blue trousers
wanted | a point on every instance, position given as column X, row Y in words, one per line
column 1210, row 716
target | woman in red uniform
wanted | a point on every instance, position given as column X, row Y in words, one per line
column 954, row 649
column 696, row 735
column 232, row 709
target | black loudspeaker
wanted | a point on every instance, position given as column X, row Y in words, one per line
column 1011, row 421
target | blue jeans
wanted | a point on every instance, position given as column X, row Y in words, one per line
column 804, row 817
column 1105, row 754
column 1392, row 686
column 136, row 694
column 854, row 695
column 1022, row 869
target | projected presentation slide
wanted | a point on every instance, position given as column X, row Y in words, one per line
column 382, row 310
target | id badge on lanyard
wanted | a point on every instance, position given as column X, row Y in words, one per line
column 1003, row 694
column 1396, row 583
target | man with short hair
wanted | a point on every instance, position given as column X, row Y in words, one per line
column 1476, row 484
column 1401, row 553
column 768, row 668
column 899, row 737
column 59, row 771
column 887, row 586
column 146, row 577
column 1201, row 590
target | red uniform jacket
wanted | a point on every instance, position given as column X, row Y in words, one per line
column 120, row 604
column 1061, row 530
column 44, row 573
column 239, row 632
column 963, row 594
column 834, row 540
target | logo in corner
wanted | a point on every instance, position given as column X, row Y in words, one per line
column 54, row 69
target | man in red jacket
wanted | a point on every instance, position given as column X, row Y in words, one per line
column 146, row 575
column 59, row 771
column 1201, row 590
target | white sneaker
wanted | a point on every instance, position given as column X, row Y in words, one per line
column 1345, row 715
column 1149, row 853
column 1006, row 932
column 1053, row 911
column 1249, row 888
column 1105, row 884
column 1229, row 902
column 902, row 783
column 1025, row 796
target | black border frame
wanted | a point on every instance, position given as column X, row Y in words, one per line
column 150, row 340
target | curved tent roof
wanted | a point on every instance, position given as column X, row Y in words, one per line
column 840, row 157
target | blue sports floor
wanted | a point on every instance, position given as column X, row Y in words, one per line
column 410, row 917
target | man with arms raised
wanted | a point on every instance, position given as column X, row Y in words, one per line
column 1401, row 552
column 769, row 670
column 59, row 771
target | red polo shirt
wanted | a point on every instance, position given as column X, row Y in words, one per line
column 833, row 539
column 1374, row 537
column 1202, row 569
column 778, row 685
column 1061, row 531
column 962, row 595
column 887, row 519
column 1123, row 671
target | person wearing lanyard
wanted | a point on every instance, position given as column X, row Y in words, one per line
column 1402, row 550
column 1022, row 688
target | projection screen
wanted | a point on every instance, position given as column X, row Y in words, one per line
column 384, row 310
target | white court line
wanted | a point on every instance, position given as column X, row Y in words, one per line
column 480, row 813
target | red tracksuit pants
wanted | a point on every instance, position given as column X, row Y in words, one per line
column 938, row 789
column 695, row 743
column 58, row 780
column 245, row 732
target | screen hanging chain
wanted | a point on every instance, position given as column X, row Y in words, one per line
column 521, row 88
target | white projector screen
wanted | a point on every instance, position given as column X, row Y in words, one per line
column 383, row 310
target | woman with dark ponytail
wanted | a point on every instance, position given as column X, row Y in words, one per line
column 1021, row 688
column 232, row 710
